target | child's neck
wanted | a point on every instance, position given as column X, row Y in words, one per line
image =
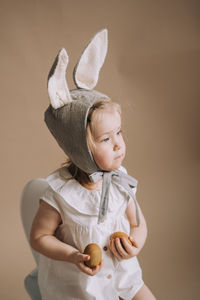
column 93, row 186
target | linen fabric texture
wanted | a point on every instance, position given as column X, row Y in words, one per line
column 79, row 210
column 67, row 115
column 68, row 126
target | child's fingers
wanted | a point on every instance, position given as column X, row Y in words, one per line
column 90, row 271
column 133, row 242
column 84, row 268
column 97, row 268
column 83, row 257
column 114, row 249
column 121, row 249
column 131, row 250
column 128, row 248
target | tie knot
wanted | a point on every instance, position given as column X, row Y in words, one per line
column 118, row 177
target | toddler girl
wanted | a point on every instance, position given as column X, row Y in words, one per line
column 90, row 197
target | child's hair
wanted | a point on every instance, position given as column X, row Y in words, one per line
column 100, row 105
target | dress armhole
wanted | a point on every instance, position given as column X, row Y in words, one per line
column 51, row 198
column 134, row 189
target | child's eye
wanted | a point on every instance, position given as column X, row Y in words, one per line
column 119, row 132
column 105, row 140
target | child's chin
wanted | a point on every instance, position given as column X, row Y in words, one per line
column 113, row 167
column 116, row 167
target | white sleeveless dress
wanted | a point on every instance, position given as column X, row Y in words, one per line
column 79, row 208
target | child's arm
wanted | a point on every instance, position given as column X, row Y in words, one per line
column 137, row 236
column 42, row 239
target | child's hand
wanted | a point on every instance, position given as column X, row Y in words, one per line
column 79, row 260
column 122, row 249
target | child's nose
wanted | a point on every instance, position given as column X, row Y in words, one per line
column 116, row 146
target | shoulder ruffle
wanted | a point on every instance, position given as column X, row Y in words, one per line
column 74, row 194
column 58, row 179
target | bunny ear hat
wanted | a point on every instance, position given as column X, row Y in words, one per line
column 66, row 116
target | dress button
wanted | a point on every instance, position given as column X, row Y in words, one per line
column 109, row 276
column 105, row 248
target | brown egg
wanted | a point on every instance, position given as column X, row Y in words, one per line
column 119, row 235
column 95, row 255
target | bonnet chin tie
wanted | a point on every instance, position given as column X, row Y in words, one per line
column 120, row 178
column 67, row 115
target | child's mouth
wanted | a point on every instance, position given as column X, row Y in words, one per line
column 119, row 156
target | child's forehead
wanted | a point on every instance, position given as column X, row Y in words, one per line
column 100, row 115
column 105, row 121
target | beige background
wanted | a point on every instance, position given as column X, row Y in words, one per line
column 152, row 69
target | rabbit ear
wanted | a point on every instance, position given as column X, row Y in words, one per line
column 86, row 72
column 57, row 86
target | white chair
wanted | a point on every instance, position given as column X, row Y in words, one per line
column 29, row 204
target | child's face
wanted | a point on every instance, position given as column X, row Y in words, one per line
column 109, row 148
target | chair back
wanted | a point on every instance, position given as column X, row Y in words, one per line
column 29, row 205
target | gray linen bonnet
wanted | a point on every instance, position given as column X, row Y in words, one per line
column 66, row 116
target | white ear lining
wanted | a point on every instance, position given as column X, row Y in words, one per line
column 86, row 72
column 57, row 86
